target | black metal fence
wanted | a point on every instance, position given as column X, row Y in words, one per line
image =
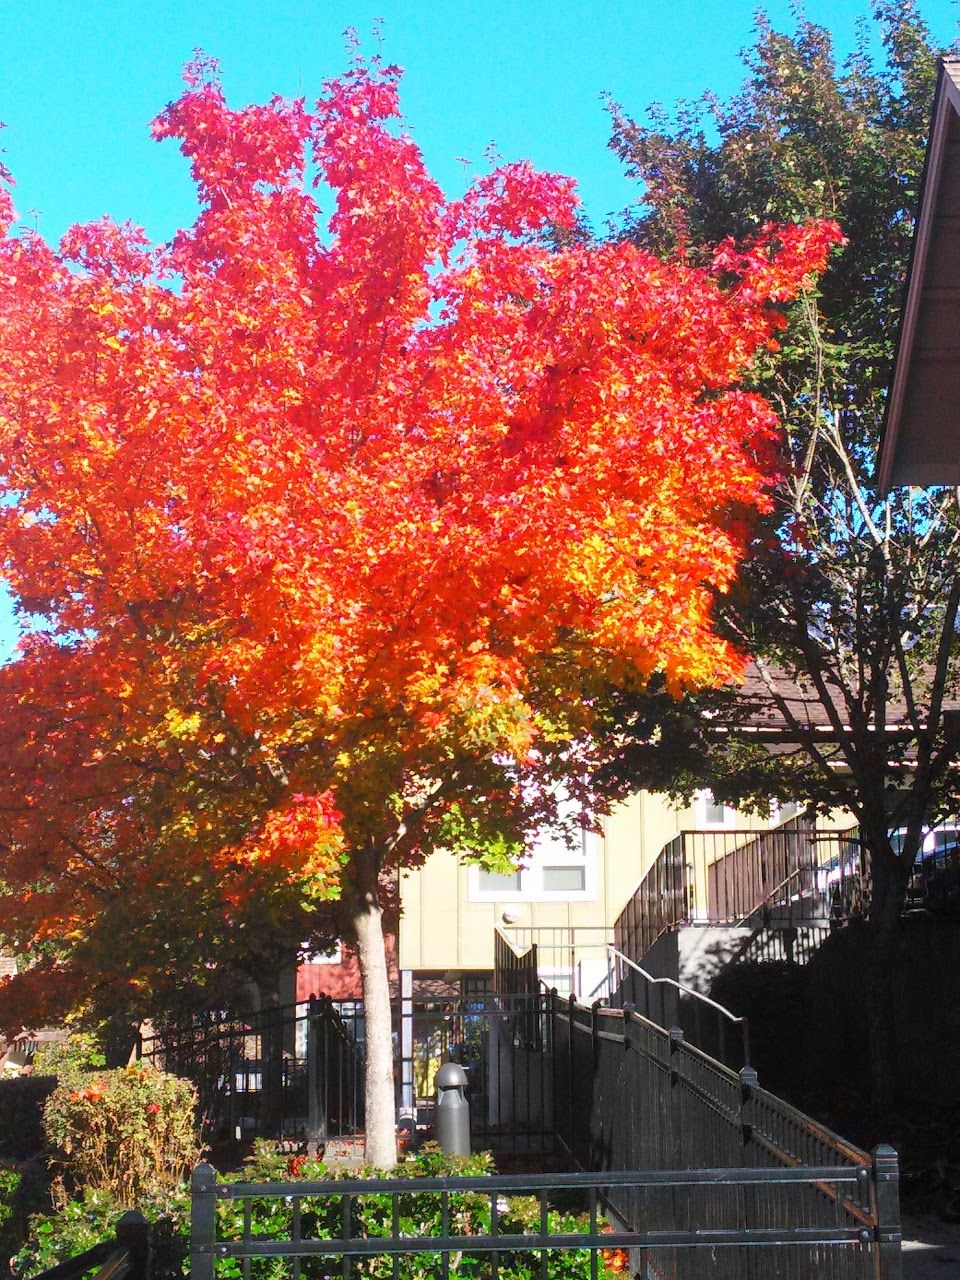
column 688, row 1169
column 629, row 1095
column 290, row 1072
column 499, row 1041
column 347, row 1227
column 296, row 1072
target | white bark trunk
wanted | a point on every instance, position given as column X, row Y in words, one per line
column 379, row 1096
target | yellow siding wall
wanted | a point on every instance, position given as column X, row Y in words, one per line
column 441, row 929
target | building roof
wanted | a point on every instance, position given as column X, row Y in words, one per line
column 771, row 717
column 921, row 435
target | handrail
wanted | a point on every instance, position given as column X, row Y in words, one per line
column 122, row 1258
column 515, row 947
column 723, row 877
column 774, row 897
column 737, row 1020
column 96, row 1256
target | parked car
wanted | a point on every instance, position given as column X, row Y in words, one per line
column 935, row 879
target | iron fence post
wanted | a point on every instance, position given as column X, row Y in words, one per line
column 571, row 1011
column 886, row 1198
column 594, row 1068
column 676, row 1101
column 631, row 1158
column 203, row 1221
column 554, row 1060
column 315, row 1121
column 133, row 1234
column 749, row 1082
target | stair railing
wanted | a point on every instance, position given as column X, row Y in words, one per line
column 670, row 1003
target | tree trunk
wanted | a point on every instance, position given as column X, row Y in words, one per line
column 380, row 1100
column 888, row 890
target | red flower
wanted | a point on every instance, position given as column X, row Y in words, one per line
column 615, row 1260
column 153, row 1108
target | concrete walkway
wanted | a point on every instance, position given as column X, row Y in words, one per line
column 931, row 1249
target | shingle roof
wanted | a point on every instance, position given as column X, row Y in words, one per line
column 766, row 718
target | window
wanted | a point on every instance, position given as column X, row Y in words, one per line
column 709, row 814
column 713, row 813
column 564, row 879
column 496, row 882
column 552, row 869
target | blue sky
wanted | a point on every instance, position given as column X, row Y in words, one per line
column 82, row 80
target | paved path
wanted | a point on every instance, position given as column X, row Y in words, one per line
column 931, row 1249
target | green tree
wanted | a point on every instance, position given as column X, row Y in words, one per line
column 848, row 596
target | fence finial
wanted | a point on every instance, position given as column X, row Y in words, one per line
column 133, row 1234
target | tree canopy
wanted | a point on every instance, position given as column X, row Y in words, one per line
column 847, row 601
column 337, row 522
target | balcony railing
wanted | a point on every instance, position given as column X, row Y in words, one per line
column 791, row 876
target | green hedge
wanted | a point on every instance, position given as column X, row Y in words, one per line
column 86, row 1219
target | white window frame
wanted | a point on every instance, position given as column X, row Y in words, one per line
column 702, row 800
column 551, row 854
column 334, row 956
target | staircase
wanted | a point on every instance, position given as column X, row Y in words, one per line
column 772, row 894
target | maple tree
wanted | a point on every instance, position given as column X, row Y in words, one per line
column 336, row 526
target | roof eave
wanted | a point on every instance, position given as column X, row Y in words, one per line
column 946, row 100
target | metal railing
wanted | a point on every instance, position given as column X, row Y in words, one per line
column 341, row 1227
column 317, row 1083
column 125, row 1257
column 569, row 957
column 704, row 1022
column 687, row 1169
column 630, row 1095
column 790, row 876
column 295, row 1071
column 515, row 966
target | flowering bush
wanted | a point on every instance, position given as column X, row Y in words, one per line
column 130, row 1133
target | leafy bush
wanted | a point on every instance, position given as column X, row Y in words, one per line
column 24, row 1191
column 130, row 1133
column 9, row 1182
column 21, row 1115
column 84, row 1220
column 70, row 1060
column 418, row 1214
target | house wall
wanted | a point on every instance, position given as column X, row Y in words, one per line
column 446, row 925
column 339, row 976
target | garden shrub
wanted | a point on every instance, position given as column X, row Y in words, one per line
column 21, row 1115
column 419, row 1214
column 70, row 1060
column 130, row 1132
column 9, row 1182
column 24, row 1191
column 86, row 1219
